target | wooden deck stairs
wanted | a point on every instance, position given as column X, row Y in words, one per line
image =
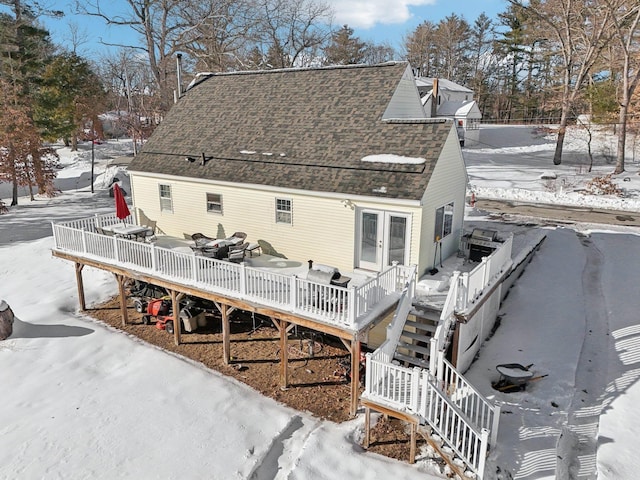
column 413, row 347
column 447, row 412
column 456, row 465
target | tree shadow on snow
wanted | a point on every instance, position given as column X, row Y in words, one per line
column 31, row 330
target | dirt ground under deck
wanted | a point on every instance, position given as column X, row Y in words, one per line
column 317, row 383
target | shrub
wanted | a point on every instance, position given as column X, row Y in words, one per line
column 603, row 186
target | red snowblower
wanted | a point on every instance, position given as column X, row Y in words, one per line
column 191, row 315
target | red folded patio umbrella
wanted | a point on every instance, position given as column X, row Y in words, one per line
column 122, row 210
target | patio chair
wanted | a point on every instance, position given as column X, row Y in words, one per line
column 219, row 253
column 201, row 239
column 237, row 238
column 148, row 235
column 236, row 254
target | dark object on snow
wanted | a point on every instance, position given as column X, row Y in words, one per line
column 6, row 320
column 116, row 181
column 514, row 377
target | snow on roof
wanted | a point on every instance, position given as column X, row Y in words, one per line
column 390, row 158
column 460, row 109
column 443, row 84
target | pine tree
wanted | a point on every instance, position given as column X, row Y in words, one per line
column 70, row 96
column 25, row 49
column 345, row 49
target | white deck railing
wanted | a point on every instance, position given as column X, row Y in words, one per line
column 413, row 390
column 462, row 416
column 469, row 400
column 468, row 441
column 345, row 307
column 483, row 275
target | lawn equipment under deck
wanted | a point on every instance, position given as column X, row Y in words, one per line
column 190, row 314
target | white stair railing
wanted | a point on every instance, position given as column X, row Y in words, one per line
column 468, row 399
column 464, row 418
column 456, row 430
column 396, row 326
column 414, row 390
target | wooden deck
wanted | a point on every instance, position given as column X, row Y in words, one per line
column 346, row 313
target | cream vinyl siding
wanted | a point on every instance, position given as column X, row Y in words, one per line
column 323, row 229
column 448, row 184
column 405, row 102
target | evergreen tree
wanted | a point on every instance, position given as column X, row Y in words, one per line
column 25, row 48
column 345, row 49
column 482, row 61
column 70, row 96
column 511, row 48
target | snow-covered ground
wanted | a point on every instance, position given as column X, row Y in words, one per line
column 510, row 162
column 80, row 400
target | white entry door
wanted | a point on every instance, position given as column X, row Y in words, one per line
column 383, row 237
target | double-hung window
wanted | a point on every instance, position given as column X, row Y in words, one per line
column 166, row 203
column 214, row 203
column 283, row 210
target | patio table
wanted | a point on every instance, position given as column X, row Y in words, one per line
column 128, row 230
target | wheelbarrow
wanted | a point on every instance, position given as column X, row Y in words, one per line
column 514, row 377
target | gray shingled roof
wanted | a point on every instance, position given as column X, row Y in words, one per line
column 309, row 129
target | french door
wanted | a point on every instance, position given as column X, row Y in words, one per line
column 383, row 237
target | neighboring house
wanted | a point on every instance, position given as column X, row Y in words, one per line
column 114, row 123
column 451, row 101
column 337, row 165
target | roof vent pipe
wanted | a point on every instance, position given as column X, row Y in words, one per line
column 179, row 74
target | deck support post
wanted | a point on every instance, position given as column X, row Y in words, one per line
column 123, row 298
column 226, row 343
column 367, row 426
column 80, row 283
column 355, row 376
column 283, row 328
column 353, row 346
column 412, row 448
column 176, row 298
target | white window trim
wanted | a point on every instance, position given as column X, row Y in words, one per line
column 441, row 234
column 214, row 212
column 289, row 212
column 164, row 200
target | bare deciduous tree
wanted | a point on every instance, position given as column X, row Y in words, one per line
column 161, row 30
column 292, row 32
column 421, row 49
column 132, row 92
column 625, row 15
column 221, row 33
column 579, row 29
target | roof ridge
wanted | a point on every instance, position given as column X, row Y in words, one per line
column 202, row 76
